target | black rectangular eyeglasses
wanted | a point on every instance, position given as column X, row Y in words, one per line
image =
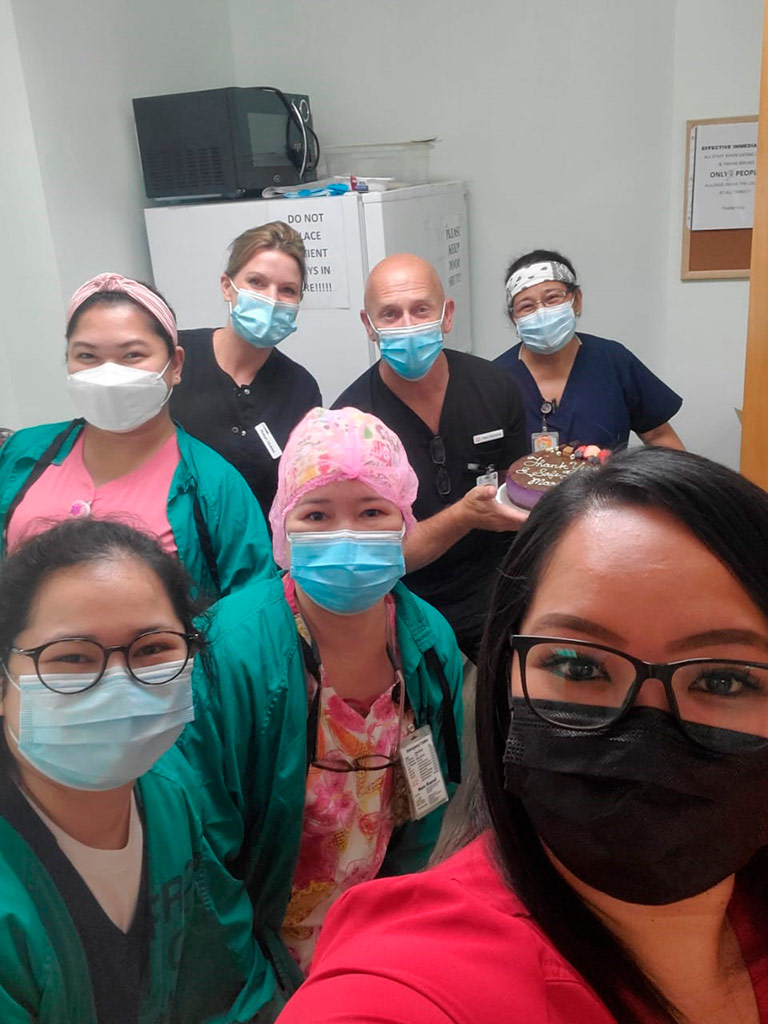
column 720, row 703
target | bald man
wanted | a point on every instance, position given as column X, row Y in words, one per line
column 462, row 423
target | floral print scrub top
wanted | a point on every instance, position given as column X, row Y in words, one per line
column 348, row 816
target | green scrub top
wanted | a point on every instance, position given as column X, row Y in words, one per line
column 203, row 963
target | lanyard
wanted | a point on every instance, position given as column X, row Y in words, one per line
column 313, row 665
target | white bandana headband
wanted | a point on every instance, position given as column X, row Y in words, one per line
column 537, row 273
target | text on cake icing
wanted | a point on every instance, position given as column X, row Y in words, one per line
column 541, row 472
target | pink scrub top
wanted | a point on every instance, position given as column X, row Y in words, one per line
column 138, row 499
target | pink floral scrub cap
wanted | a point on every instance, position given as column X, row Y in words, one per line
column 340, row 444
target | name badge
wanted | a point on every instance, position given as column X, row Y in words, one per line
column 490, row 435
column 421, row 772
column 491, row 477
column 268, row 440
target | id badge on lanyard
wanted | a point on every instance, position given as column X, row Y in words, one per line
column 414, row 755
column 421, row 772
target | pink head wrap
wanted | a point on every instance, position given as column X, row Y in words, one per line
column 340, row 444
column 137, row 291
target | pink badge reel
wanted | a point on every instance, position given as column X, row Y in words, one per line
column 80, row 509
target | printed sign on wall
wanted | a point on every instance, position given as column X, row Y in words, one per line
column 724, row 164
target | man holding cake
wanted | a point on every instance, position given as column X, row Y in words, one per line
column 462, row 425
column 577, row 387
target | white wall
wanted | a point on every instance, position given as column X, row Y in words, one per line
column 69, row 71
column 30, row 330
column 565, row 120
column 716, row 74
column 83, row 62
column 555, row 115
column 567, row 123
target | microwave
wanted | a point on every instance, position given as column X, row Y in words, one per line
column 224, row 143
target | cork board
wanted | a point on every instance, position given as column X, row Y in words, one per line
column 719, row 253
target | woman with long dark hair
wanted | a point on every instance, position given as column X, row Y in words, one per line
column 623, row 739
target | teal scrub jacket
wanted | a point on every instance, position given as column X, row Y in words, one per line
column 240, row 543
column 204, row 964
column 248, row 743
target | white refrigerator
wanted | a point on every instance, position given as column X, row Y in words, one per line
column 345, row 237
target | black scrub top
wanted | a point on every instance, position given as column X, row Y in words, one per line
column 482, row 427
column 212, row 407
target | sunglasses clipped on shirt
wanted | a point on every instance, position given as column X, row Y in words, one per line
column 437, row 454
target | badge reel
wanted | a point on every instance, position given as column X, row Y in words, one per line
column 421, row 772
column 545, row 440
column 490, row 476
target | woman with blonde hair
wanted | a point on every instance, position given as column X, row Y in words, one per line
column 240, row 395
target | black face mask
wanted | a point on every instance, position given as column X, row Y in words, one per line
column 639, row 811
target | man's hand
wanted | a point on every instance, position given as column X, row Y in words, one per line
column 483, row 512
column 477, row 510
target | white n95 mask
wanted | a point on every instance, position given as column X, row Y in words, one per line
column 118, row 398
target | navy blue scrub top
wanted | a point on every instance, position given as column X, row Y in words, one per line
column 608, row 393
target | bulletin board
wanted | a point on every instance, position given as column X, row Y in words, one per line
column 720, row 164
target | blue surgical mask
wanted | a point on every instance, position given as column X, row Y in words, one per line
column 104, row 737
column 262, row 321
column 347, row 571
column 411, row 351
column 547, row 330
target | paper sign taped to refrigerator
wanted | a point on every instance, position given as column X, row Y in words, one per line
column 454, row 245
column 321, row 225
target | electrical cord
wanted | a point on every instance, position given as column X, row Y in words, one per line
column 305, row 146
column 307, row 165
column 313, row 165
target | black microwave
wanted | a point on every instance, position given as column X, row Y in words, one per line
column 224, row 143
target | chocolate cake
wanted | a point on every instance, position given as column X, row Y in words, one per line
column 531, row 476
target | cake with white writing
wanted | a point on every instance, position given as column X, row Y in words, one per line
column 533, row 475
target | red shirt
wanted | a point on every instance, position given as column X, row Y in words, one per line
column 456, row 946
